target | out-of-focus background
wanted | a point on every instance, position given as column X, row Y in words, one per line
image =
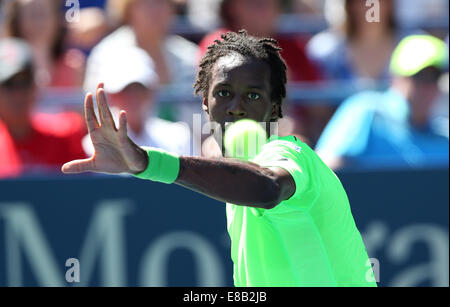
column 368, row 89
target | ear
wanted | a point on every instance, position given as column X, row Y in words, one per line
column 275, row 115
column 205, row 105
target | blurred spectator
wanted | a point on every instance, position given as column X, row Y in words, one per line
column 394, row 128
column 41, row 23
column 131, row 85
column 180, row 7
column 413, row 13
column 354, row 48
column 146, row 23
column 309, row 7
column 259, row 18
column 90, row 29
column 203, row 14
column 31, row 142
column 2, row 20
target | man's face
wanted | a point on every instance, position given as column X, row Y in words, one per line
column 424, row 91
column 136, row 99
column 152, row 17
column 240, row 88
column 17, row 97
column 38, row 20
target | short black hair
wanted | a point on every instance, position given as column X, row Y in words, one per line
column 264, row 49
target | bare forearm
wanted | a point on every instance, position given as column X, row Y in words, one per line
column 232, row 181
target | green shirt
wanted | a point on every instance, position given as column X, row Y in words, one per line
column 308, row 240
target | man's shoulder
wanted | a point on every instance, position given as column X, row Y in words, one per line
column 288, row 142
column 292, row 148
column 365, row 98
column 285, row 148
column 359, row 106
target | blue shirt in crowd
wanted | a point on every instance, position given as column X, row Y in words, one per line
column 373, row 129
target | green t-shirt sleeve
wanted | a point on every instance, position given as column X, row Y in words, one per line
column 290, row 156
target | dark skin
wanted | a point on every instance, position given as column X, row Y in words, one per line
column 240, row 88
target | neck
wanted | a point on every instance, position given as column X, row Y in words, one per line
column 18, row 130
column 372, row 35
column 149, row 42
column 401, row 86
column 42, row 50
column 418, row 120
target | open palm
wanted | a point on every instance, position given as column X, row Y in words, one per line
column 114, row 152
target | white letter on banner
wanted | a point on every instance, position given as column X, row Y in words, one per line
column 73, row 13
column 154, row 268
column 436, row 270
column 105, row 237
column 23, row 229
column 73, row 273
column 373, row 14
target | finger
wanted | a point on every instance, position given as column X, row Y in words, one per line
column 79, row 166
column 91, row 118
column 101, row 85
column 123, row 125
column 103, row 109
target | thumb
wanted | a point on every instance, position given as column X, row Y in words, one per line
column 79, row 166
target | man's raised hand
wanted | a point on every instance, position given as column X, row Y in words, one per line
column 114, row 151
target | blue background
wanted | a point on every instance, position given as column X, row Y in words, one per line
column 385, row 206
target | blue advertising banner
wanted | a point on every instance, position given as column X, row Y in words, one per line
column 125, row 232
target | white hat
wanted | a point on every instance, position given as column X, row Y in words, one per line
column 124, row 66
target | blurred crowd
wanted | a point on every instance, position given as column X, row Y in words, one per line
column 363, row 94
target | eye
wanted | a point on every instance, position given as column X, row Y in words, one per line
column 253, row 96
column 223, row 93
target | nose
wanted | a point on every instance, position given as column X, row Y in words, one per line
column 236, row 110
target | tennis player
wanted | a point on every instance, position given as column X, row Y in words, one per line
column 288, row 215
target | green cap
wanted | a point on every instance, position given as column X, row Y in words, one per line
column 417, row 52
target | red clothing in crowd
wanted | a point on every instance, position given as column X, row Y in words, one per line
column 299, row 66
column 54, row 140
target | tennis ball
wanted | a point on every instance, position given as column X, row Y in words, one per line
column 244, row 139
